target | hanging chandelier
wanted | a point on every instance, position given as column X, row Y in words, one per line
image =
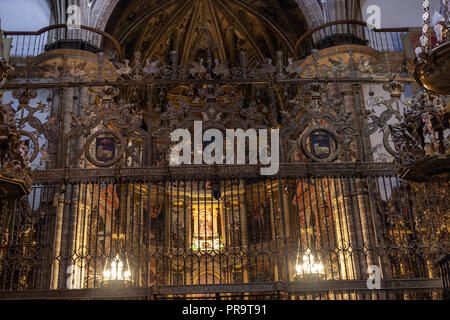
column 309, row 266
column 432, row 67
column 117, row 269
column 421, row 138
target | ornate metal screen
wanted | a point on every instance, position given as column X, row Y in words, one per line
column 306, row 228
column 109, row 210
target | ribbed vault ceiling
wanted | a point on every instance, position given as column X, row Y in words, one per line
column 156, row 27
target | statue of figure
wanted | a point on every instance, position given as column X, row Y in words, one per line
column 45, row 158
column 431, row 146
column 407, row 146
column 13, row 153
column 418, row 51
column 205, row 224
column 447, row 144
column 437, row 21
column 23, row 149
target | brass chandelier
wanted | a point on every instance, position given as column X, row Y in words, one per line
column 432, row 70
column 421, row 137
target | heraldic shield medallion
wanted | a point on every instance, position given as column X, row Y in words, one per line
column 320, row 144
column 105, row 148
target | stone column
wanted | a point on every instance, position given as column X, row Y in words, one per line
column 312, row 11
column 344, row 10
column 61, row 235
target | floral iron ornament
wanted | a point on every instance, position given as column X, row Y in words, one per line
column 112, row 130
column 326, row 130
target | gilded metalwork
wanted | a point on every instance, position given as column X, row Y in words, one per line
column 310, row 111
column 15, row 165
column 422, row 134
column 432, row 66
column 108, row 211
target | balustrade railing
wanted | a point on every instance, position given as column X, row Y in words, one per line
column 35, row 43
column 350, row 32
column 444, row 267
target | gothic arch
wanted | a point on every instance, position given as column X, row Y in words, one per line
column 312, row 11
column 101, row 11
column 258, row 27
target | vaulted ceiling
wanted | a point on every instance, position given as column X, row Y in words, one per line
column 156, row 27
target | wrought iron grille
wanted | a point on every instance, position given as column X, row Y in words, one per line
column 312, row 230
column 444, row 267
column 109, row 211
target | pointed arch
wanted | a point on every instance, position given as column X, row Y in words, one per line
column 103, row 9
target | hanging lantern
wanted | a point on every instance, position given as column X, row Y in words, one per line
column 117, row 270
column 309, row 266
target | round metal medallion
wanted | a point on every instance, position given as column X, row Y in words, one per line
column 321, row 144
column 106, row 149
